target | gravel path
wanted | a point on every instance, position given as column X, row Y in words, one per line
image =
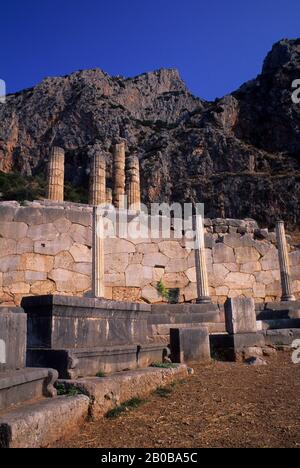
column 222, row 405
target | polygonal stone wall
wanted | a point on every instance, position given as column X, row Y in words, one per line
column 46, row 248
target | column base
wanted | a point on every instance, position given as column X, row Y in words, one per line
column 288, row 298
column 204, row 300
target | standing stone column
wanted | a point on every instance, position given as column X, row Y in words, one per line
column 286, row 283
column 119, row 176
column 97, row 189
column 109, row 196
column 98, row 255
column 56, row 174
column 200, row 263
column 133, row 183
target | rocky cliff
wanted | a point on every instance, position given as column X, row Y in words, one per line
column 240, row 155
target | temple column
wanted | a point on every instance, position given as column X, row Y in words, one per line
column 133, row 184
column 56, row 174
column 97, row 189
column 119, row 176
column 200, row 263
column 286, row 283
column 109, row 196
column 98, row 288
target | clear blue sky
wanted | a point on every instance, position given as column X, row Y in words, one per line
column 216, row 44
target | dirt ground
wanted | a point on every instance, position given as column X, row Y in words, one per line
column 221, row 405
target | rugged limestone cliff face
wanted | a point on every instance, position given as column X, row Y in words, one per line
column 240, row 155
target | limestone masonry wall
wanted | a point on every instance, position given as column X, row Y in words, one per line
column 46, row 248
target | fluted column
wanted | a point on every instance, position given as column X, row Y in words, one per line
column 97, row 189
column 286, row 282
column 109, row 196
column 200, row 263
column 56, row 174
column 133, row 183
column 98, row 255
column 119, row 175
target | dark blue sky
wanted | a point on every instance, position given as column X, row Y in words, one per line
column 216, row 44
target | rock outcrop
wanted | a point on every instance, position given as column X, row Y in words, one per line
column 240, row 155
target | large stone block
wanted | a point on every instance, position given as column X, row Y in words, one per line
column 69, row 281
column 138, row 275
column 81, row 234
column 116, row 263
column 25, row 246
column 223, row 254
column 176, row 265
column 81, row 253
column 53, row 247
column 175, row 280
column 240, row 316
column 150, row 295
column 172, row 249
column 37, row 262
column 155, row 259
column 114, row 245
column 270, row 260
column 189, row 344
column 9, row 263
column 42, row 232
column 7, row 247
column 62, row 225
column 13, row 333
column 246, row 254
column 239, row 280
column 12, row 230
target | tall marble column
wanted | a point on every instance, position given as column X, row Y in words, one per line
column 98, row 287
column 200, row 263
column 97, row 189
column 119, row 176
column 133, row 183
column 286, row 282
column 109, row 196
column 56, row 174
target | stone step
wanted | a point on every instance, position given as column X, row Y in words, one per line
column 42, row 423
column 283, row 337
column 106, row 393
column 278, row 324
column 164, row 329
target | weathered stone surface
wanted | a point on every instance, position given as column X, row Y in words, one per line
column 175, row 280
column 138, row 275
column 37, row 262
column 172, row 249
column 176, row 265
column 32, row 276
column 81, row 234
column 11, row 262
column 64, row 260
column 150, row 295
column 223, row 254
column 190, row 344
column 42, row 232
column 270, row 260
column 239, row 280
column 81, row 253
column 84, row 268
column 155, row 259
column 53, row 247
column 113, row 245
column 259, row 290
column 12, row 230
column 294, row 258
column 250, row 267
column 10, row 277
column 136, row 257
column 7, row 247
column 246, row 254
column 191, row 274
column 147, row 248
column 44, row 423
column 24, row 246
column 158, row 273
column 13, row 332
column 62, row 225
column 116, row 263
column 41, row 288
column 114, row 279
column 68, row 281
column 190, row 293
column 240, row 315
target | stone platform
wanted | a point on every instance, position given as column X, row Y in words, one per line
column 83, row 336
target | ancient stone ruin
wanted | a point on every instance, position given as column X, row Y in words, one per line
column 76, row 305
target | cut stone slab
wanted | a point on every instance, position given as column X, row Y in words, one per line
column 190, row 344
column 13, row 331
column 27, row 384
column 108, row 392
column 240, row 315
column 43, row 423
